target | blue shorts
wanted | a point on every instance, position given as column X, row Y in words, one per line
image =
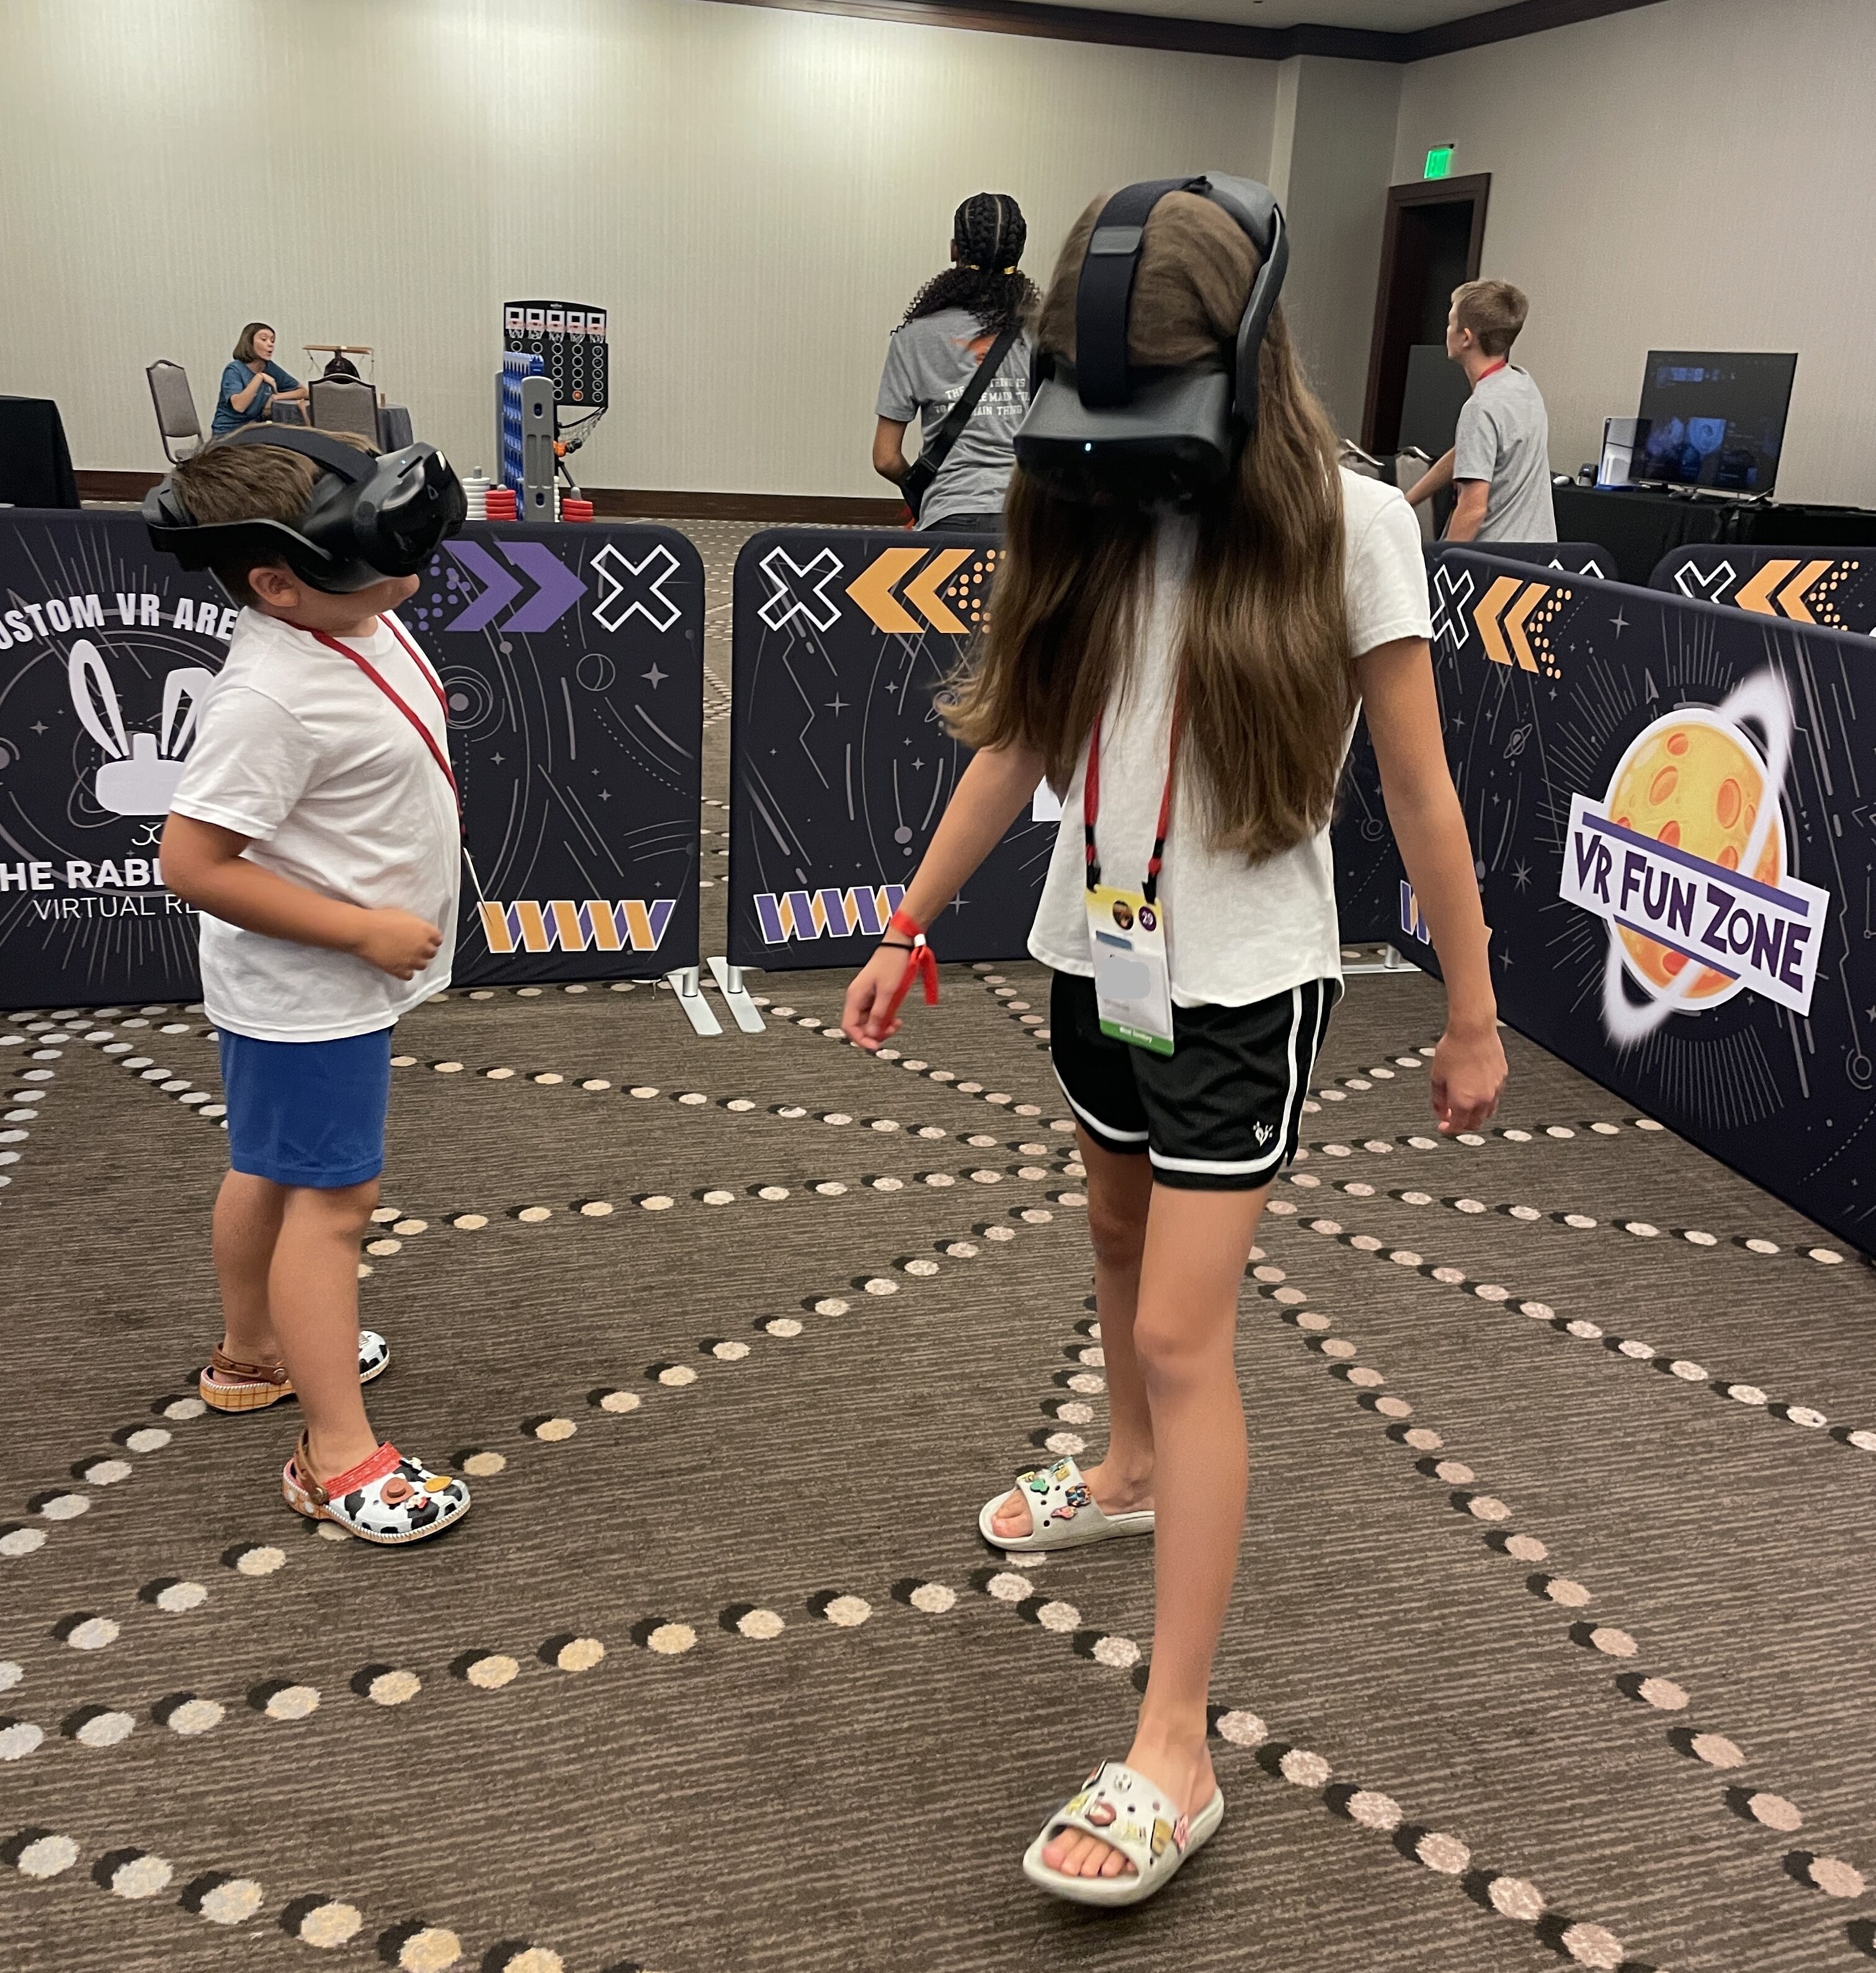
column 307, row 1113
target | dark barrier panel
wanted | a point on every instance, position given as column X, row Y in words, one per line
column 105, row 648
column 1826, row 586
column 838, row 768
column 1670, row 805
column 579, row 768
column 1368, row 882
column 572, row 660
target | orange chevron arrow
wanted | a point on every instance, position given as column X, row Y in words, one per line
column 1791, row 597
column 1756, row 594
column 1486, row 616
column 1515, row 623
column 872, row 589
column 922, row 591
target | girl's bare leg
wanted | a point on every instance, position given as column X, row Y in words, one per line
column 1183, row 1333
column 1119, row 1190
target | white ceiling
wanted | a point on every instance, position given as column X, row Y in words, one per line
column 1395, row 16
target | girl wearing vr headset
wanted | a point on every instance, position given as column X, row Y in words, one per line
column 1188, row 672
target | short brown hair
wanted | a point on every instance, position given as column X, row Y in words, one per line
column 244, row 342
column 1494, row 311
column 250, row 482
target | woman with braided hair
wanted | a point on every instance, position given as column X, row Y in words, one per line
column 957, row 319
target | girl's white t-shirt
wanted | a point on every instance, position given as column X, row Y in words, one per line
column 298, row 751
column 1237, row 931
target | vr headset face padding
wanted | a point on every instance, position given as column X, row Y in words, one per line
column 370, row 516
column 1101, row 428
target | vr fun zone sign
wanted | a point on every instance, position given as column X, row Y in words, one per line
column 1685, row 858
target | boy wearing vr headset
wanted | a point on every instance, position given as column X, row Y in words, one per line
column 1191, row 605
column 315, row 829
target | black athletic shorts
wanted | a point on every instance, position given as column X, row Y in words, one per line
column 1222, row 1112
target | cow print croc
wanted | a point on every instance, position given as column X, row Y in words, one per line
column 228, row 1385
column 1063, row 1512
column 1123, row 1808
column 387, row 1498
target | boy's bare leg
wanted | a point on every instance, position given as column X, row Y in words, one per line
column 247, row 1223
column 313, row 1291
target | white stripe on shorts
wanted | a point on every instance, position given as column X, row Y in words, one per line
column 1094, row 1123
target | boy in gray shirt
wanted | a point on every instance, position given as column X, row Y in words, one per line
column 1500, row 459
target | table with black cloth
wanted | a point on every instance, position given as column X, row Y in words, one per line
column 35, row 467
column 394, row 423
column 1639, row 526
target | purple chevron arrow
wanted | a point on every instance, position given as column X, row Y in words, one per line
column 499, row 588
column 560, row 588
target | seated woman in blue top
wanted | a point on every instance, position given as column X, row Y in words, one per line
column 253, row 381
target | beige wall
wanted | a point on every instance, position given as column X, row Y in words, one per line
column 1330, row 159
column 1698, row 175
column 754, row 195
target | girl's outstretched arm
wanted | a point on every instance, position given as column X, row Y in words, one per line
column 1397, row 686
column 991, row 794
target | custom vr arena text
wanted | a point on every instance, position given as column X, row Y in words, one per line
column 135, row 609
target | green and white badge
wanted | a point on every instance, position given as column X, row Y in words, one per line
column 1132, row 986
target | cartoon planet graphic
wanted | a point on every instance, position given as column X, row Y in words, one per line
column 1694, row 782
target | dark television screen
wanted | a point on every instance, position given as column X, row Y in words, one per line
column 1715, row 418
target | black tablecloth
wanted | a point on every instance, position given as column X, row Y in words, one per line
column 35, row 468
column 1638, row 526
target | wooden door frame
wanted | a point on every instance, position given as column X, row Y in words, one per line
column 1477, row 186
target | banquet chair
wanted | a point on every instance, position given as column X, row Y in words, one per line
column 344, row 404
column 176, row 418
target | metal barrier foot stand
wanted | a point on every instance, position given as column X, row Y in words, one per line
column 1392, row 960
column 729, row 980
column 685, row 983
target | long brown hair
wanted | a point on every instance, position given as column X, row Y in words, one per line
column 1264, row 665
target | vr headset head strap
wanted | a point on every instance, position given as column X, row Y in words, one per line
column 1104, row 292
column 1255, row 208
column 351, row 465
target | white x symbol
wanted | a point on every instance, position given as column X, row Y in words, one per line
column 644, row 596
column 1451, row 595
column 800, row 591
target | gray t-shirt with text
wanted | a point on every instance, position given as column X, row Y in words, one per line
column 928, row 364
column 1504, row 439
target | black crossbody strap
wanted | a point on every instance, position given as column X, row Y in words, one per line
column 948, row 433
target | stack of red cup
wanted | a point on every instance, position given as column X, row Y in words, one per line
column 573, row 509
column 501, row 503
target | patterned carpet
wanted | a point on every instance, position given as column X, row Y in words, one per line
column 1551, row 1644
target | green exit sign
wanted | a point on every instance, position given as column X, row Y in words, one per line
column 1438, row 162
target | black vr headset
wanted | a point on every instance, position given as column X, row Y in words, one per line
column 1097, row 429
column 371, row 516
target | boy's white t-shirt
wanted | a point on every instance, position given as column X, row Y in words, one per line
column 298, row 750
column 1238, row 932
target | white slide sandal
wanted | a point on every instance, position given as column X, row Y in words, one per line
column 1062, row 1513
column 1122, row 1807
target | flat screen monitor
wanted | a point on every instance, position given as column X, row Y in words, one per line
column 1715, row 418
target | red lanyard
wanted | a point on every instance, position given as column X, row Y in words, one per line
column 1091, row 803
column 429, row 677
column 1491, row 370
